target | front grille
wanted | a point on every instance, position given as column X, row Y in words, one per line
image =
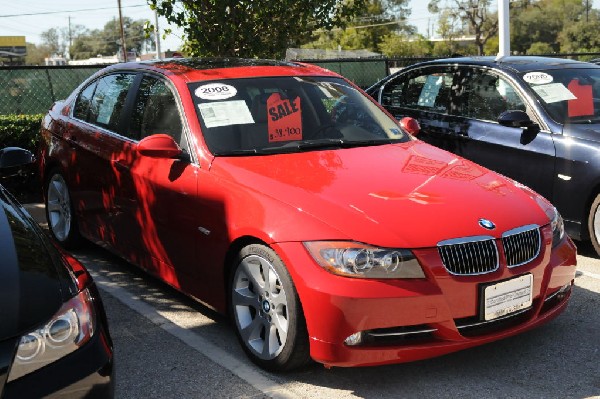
column 521, row 245
column 469, row 256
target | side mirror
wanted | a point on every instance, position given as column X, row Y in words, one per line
column 15, row 157
column 411, row 125
column 159, row 146
column 516, row 118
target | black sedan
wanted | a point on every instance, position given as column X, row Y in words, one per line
column 54, row 340
column 534, row 119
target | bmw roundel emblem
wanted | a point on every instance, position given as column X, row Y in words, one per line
column 487, row 224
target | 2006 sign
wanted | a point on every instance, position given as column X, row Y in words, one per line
column 215, row 91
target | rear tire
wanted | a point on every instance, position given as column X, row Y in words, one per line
column 266, row 310
column 59, row 211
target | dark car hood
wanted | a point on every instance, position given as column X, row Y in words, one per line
column 588, row 132
column 32, row 287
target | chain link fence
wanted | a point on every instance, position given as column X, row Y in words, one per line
column 32, row 90
column 29, row 90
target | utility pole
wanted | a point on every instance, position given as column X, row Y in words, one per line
column 70, row 38
column 504, row 29
column 123, row 45
column 157, row 36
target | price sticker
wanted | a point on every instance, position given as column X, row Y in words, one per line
column 284, row 118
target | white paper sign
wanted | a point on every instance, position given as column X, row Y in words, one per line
column 554, row 92
column 537, row 78
column 225, row 113
column 215, row 91
column 430, row 91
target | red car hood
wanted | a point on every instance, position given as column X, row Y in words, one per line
column 409, row 195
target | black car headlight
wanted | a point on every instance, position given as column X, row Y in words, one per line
column 70, row 328
column 353, row 259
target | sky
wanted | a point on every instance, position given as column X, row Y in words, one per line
column 16, row 17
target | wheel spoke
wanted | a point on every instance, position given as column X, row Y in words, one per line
column 251, row 267
column 242, row 296
column 251, row 332
column 279, row 299
column 280, row 322
column 272, row 344
column 53, row 206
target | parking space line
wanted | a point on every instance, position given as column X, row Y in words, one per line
column 588, row 274
column 246, row 371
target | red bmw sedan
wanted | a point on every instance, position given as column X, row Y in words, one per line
column 281, row 194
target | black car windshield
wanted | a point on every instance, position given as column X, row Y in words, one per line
column 568, row 95
column 288, row 114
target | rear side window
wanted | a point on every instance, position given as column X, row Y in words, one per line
column 82, row 105
column 428, row 90
column 109, row 99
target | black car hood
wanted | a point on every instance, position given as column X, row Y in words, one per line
column 33, row 285
column 582, row 131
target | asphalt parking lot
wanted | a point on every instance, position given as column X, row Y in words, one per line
column 168, row 346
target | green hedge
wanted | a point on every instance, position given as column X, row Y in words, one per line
column 20, row 131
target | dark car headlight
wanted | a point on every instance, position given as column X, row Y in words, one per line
column 353, row 259
column 70, row 328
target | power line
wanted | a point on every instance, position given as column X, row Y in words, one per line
column 67, row 11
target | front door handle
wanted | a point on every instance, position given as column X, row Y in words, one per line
column 120, row 165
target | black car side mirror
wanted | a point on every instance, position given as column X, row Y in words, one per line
column 15, row 157
column 516, row 118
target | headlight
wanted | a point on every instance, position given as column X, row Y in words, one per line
column 353, row 259
column 556, row 221
column 69, row 329
column 558, row 228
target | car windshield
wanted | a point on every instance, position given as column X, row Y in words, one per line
column 288, row 114
column 568, row 95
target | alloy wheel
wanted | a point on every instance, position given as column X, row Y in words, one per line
column 59, row 208
column 260, row 307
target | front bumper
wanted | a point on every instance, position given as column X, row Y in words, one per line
column 408, row 320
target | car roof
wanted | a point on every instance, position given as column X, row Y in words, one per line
column 519, row 64
column 198, row 69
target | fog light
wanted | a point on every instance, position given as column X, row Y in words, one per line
column 564, row 290
column 354, row 339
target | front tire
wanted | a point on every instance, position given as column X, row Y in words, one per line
column 59, row 211
column 266, row 310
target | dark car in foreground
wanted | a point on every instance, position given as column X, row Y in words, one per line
column 534, row 119
column 54, row 340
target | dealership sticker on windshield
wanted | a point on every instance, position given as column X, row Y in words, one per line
column 554, row 93
column 225, row 113
column 215, row 91
column 538, row 78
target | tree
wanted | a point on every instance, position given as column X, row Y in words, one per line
column 394, row 45
column 482, row 22
column 52, row 41
column 36, row 54
column 581, row 36
column 107, row 42
column 252, row 28
column 541, row 22
column 378, row 20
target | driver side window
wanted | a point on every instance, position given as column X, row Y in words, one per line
column 155, row 111
column 485, row 95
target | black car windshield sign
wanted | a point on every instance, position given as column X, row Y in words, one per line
column 568, row 95
column 287, row 114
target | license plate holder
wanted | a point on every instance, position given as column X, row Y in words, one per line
column 506, row 297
